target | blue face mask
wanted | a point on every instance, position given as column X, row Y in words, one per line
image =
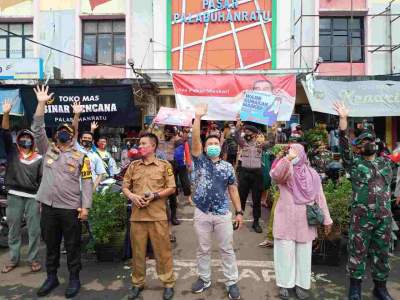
column 213, row 151
column 63, row 136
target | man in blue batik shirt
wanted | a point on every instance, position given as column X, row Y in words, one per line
column 215, row 183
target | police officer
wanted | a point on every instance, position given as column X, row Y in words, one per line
column 250, row 171
column 147, row 183
column 65, row 194
column 371, row 216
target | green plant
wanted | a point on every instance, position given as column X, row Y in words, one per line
column 316, row 135
column 107, row 216
column 338, row 196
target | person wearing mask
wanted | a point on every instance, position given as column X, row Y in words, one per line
column 230, row 147
column 101, row 150
column 167, row 146
column 23, row 176
column 85, row 145
column 125, row 159
column 215, row 184
column 65, row 194
column 147, row 183
column 250, row 171
column 299, row 186
column 371, row 217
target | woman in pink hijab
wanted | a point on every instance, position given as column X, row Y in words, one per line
column 299, row 185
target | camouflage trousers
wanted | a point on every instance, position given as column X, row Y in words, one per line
column 369, row 237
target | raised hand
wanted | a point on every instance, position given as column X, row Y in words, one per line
column 77, row 108
column 341, row 109
column 7, row 105
column 93, row 126
column 42, row 93
column 201, row 110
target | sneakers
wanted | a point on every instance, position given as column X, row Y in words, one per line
column 257, row 228
column 283, row 293
column 200, row 286
column 301, row 293
column 233, row 292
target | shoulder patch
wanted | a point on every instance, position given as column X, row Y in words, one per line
column 170, row 172
column 86, row 171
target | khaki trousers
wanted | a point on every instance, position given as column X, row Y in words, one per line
column 158, row 233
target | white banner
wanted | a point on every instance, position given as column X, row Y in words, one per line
column 370, row 98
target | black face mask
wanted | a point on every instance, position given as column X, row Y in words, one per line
column 128, row 146
column 87, row 144
column 369, row 149
column 63, row 137
column 26, row 144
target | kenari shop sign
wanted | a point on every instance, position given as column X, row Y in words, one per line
column 222, row 11
column 108, row 105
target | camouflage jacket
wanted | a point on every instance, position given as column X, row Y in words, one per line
column 371, row 180
column 320, row 159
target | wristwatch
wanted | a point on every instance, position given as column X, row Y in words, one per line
column 156, row 196
column 240, row 212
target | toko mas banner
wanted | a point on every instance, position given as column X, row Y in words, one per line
column 225, row 93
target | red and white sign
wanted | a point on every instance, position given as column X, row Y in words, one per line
column 173, row 116
column 224, row 93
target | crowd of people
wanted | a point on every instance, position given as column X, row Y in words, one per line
column 217, row 167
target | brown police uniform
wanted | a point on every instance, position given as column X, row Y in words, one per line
column 66, row 185
column 151, row 221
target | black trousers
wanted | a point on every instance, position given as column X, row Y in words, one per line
column 183, row 175
column 251, row 180
column 55, row 224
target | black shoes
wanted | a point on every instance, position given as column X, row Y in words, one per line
column 380, row 291
column 257, row 228
column 355, row 289
column 50, row 284
column 73, row 288
column 168, row 293
column 134, row 293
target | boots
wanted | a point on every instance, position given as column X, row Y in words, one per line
column 380, row 291
column 174, row 220
column 256, row 226
column 355, row 289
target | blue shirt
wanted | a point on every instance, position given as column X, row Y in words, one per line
column 211, row 184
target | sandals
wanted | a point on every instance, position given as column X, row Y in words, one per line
column 266, row 244
column 8, row 268
column 172, row 238
column 35, row 267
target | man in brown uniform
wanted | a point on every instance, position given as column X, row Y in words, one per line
column 147, row 183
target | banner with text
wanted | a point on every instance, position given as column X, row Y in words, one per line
column 173, row 116
column 107, row 105
column 260, row 108
column 225, row 93
column 370, row 98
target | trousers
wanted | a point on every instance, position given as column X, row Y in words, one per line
column 369, row 237
column 16, row 208
column 158, row 233
column 58, row 223
column 251, row 180
column 221, row 226
column 292, row 263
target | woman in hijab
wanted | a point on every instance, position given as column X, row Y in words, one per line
column 299, row 185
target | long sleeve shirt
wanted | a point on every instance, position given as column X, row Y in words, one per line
column 67, row 177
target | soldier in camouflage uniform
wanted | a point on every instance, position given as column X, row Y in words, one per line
column 371, row 217
column 320, row 158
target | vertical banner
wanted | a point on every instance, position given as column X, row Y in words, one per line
column 225, row 93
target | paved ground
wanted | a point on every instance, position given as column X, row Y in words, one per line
column 111, row 280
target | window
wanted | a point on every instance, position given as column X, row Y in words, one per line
column 341, row 39
column 12, row 46
column 103, row 42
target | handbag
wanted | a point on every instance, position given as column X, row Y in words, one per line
column 315, row 216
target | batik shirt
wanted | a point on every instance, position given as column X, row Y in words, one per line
column 211, row 184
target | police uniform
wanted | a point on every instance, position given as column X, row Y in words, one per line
column 151, row 221
column 371, row 216
column 250, row 173
column 66, row 186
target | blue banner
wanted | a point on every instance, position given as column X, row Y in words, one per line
column 260, row 107
column 15, row 98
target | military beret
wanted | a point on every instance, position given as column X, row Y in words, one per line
column 251, row 128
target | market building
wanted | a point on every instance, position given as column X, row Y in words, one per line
column 92, row 41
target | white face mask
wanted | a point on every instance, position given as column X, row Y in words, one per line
column 295, row 161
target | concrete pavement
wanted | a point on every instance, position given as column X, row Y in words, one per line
column 111, row 280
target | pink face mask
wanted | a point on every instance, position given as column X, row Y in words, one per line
column 145, row 151
column 102, row 146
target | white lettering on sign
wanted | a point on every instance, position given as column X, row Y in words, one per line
column 92, row 98
column 66, row 109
